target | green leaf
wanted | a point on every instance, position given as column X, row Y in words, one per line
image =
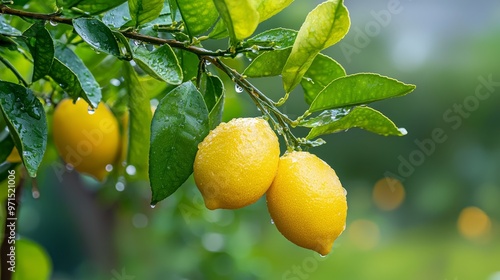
column 189, row 64
column 139, row 124
column 219, row 31
column 143, row 11
column 240, row 17
column 25, row 118
column 161, row 63
column 268, row 64
column 41, row 47
column 213, row 94
column 361, row 117
column 324, row 26
column 358, row 89
column 198, row 15
column 97, row 35
column 7, row 30
column 90, row 6
column 326, row 117
column 74, row 77
column 6, row 143
column 118, row 16
column 322, row 72
column 179, row 124
column 268, row 8
column 175, row 13
column 279, row 38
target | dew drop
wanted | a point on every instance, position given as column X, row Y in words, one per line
column 272, row 222
column 120, row 186
column 345, row 191
column 27, row 6
column 109, row 167
column 153, row 206
column 322, row 256
column 69, row 167
column 91, row 110
column 238, row 89
column 208, row 63
column 130, row 170
column 53, row 23
column 403, row 130
column 35, row 194
column 115, row 82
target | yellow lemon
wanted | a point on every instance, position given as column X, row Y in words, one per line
column 307, row 202
column 88, row 140
column 236, row 163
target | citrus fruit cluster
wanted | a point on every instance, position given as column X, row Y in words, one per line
column 238, row 162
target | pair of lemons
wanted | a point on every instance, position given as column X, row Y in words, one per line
column 239, row 161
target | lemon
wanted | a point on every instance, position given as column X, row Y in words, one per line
column 307, row 202
column 14, row 156
column 236, row 163
column 88, row 140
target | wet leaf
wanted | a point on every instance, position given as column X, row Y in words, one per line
column 358, row 89
column 161, row 63
column 213, row 94
column 278, row 38
column 361, row 117
column 268, row 64
column 118, row 16
column 268, row 8
column 74, row 77
column 179, row 124
column 25, row 118
column 322, row 72
column 7, row 30
column 97, row 35
column 324, row 26
column 90, row 6
column 139, row 124
column 143, row 11
column 241, row 17
column 198, row 15
column 41, row 47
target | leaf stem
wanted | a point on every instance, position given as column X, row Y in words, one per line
column 14, row 70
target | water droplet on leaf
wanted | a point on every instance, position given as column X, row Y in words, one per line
column 91, row 110
column 53, row 23
column 238, row 89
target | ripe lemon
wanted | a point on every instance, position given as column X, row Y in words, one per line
column 87, row 140
column 307, row 202
column 14, row 156
column 236, row 163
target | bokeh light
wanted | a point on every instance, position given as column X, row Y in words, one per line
column 388, row 193
column 473, row 223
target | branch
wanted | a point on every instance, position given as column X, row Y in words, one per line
column 266, row 105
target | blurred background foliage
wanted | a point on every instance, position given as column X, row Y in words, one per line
column 437, row 219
